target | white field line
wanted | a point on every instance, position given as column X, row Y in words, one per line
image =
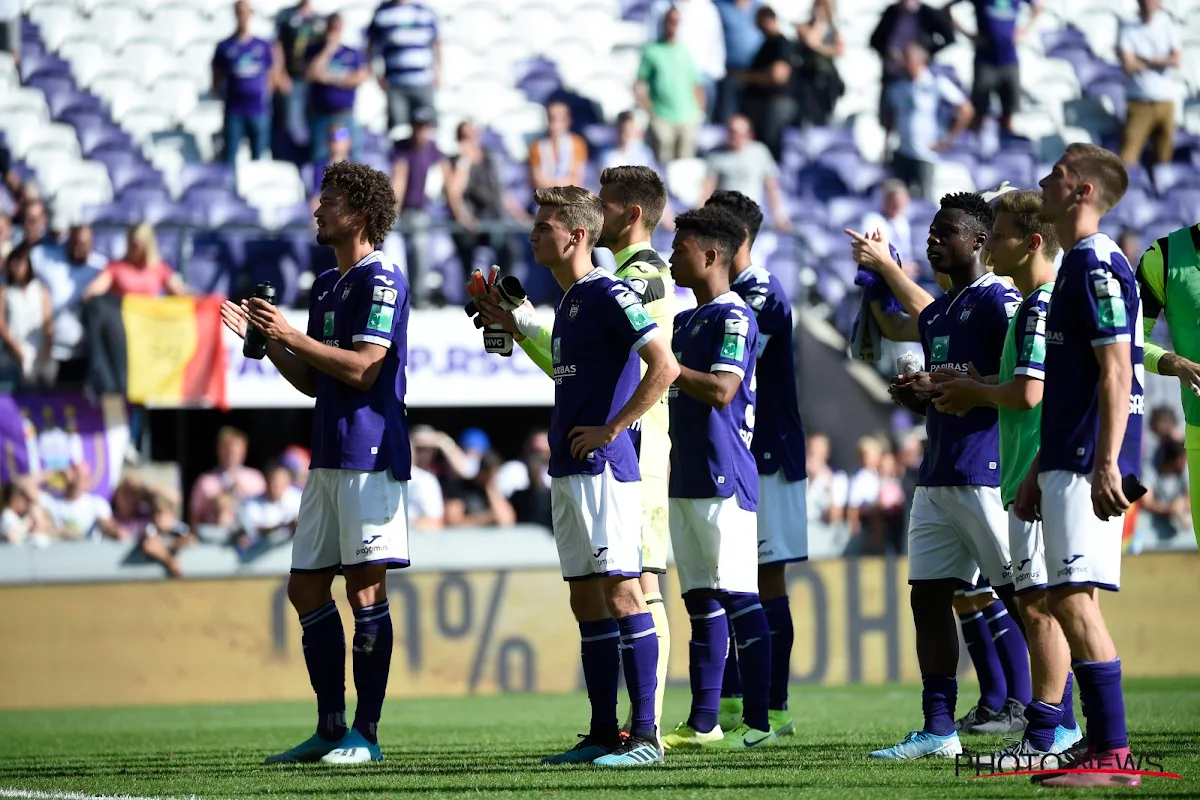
column 33, row 795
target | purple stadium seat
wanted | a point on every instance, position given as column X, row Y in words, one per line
column 1110, row 86
column 369, row 142
column 848, row 212
column 1063, row 38
column 538, row 79
column 817, row 243
column 1137, row 209
column 1184, row 202
column 635, row 10
column 300, row 215
column 821, row 183
column 600, row 137
column 816, row 141
column 379, row 161
column 1016, row 167
column 271, row 260
column 37, row 64
column 1168, row 176
column 97, row 139
column 209, row 268
column 857, row 175
column 135, row 174
column 214, row 175
column 782, row 263
column 8, row 206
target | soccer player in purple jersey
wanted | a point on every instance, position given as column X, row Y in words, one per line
column 713, row 487
column 957, row 523
column 352, row 514
column 779, row 454
column 600, row 331
column 1092, row 407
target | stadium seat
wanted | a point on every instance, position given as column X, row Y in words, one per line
column 55, row 21
column 55, row 135
column 143, row 123
column 270, row 181
column 685, row 179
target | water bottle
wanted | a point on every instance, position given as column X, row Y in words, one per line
column 255, row 345
column 909, row 363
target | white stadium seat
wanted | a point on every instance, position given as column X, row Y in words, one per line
column 181, row 22
column 143, row 122
column 685, row 179
column 23, row 99
column 56, row 23
column 87, row 56
column 267, row 177
column 150, row 58
column 119, row 90
column 54, row 135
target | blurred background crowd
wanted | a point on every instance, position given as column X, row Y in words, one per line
column 153, row 147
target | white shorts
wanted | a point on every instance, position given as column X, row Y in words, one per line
column 716, row 544
column 348, row 519
column 956, row 531
column 1081, row 548
column 1028, row 553
column 782, row 519
column 597, row 525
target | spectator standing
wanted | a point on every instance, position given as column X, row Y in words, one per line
column 891, row 219
column 766, row 87
column 296, row 28
column 244, row 72
column 997, row 67
column 1148, row 46
column 35, row 223
column 745, row 165
column 26, row 325
column 412, row 160
column 913, row 105
column 560, row 157
column 701, row 35
column 904, row 23
column 668, row 86
column 67, row 270
column 335, row 71
column 827, row 487
column 231, row 479
column 742, row 42
column 404, row 33
column 478, row 501
column 479, row 202
column 142, row 271
column 631, row 149
column 817, row 84
column 863, row 495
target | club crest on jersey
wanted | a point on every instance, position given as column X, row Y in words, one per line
column 966, row 313
column 573, row 311
column 346, row 291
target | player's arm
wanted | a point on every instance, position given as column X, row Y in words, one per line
column 526, row 329
column 1151, row 280
column 733, row 356
column 960, row 395
column 661, row 370
column 294, row 370
column 873, row 252
column 1110, row 326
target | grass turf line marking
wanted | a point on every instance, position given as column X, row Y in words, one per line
column 36, row 795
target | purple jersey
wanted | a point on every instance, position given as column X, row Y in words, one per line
column 245, row 65
column 354, row 430
column 778, row 434
column 1095, row 303
column 325, row 98
column 599, row 327
column 710, row 448
column 956, row 330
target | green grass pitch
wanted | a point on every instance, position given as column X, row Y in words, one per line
column 490, row 746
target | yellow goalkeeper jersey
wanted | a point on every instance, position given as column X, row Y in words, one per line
column 644, row 270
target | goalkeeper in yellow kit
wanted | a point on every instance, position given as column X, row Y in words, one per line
column 634, row 199
column 1169, row 278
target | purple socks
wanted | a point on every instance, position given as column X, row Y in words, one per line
column 601, row 654
column 779, row 618
column 993, row 688
column 1012, row 651
column 372, row 661
column 938, row 696
column 639, row 648
column 1103, row 703
column 753, row 641
column 324, row 645
column 731, row 683
column 706, row 661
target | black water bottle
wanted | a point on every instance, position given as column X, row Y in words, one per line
column 255, row 345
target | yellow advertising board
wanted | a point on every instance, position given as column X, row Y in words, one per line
column 237, row 640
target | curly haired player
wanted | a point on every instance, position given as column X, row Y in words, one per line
column 352, row 513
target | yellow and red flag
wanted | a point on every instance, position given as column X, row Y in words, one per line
column 174, row 349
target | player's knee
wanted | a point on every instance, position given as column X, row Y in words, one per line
column 623, row 597
column 309, row 591
column 1070, row 604
column 969, row 604
column 587, row 601
column 930, row 598
column 366, row 586
column 1035, row 609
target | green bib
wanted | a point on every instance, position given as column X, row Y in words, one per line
column 1182, row 295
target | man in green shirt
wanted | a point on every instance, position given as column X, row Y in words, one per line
column 634, row 199
column 1169, row 278
column 1023, row 248
column 668, row 86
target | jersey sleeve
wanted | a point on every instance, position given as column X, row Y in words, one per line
column 630, row 323
column 1151, row 276
column 734, row 345
column 538, row 350
column 1031, row 337
column 1108, row 318
column 377, row 308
